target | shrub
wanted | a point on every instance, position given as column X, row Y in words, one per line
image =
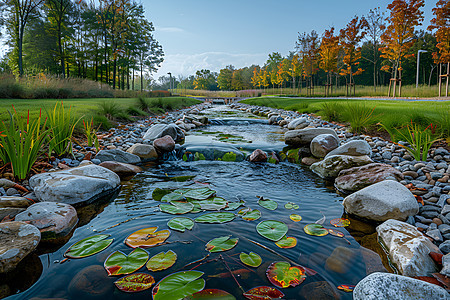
column 91, row 133
column 109, row 109
column 359, row 116
column 331, row 111
column 134, row 111
column 61, row 125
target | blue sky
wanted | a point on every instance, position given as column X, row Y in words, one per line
column 211, row 34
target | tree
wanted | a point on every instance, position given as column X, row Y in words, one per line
column 256, row 78
column 398, row 38
column 201, row 79
column 329, row 51
column 297, row 66
column 237, row 81
column 225, row 77
column 308, row 46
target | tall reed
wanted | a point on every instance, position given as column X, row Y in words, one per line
column 61, row 124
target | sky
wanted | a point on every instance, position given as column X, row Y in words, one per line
column 200, row 34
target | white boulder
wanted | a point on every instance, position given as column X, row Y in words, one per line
column 302, row 137
column 332, row 165
column 353, row 148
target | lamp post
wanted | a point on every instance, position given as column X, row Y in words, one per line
column 418, row 61
column 170, row 82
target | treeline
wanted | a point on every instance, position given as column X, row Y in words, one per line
column 109, row 41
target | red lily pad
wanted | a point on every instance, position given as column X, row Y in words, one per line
column 263, row 292
column 346, row 287
column 336, row 233
column 340, row 222
column 147, row 237
column 211, row 294
column 282, row 275
column 135, row 282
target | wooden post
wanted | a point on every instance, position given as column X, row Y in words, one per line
column 390, row 84
column 446, row 86
column 400, row 83
column 440, row 80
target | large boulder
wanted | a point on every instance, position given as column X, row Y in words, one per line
column 164, row 144
column 55, row 221
column 379, row 286
column 258, row 156
column 160, row 130
column 322, row 144
column 354, row 179
column 332, row 165
column 117, row 155
column 121, row 169
column 144, row 151
column 353, row 148
column 382, row 201
column 18, row 239
column 302, row 137
column 76, row 185
column 14, row 201
column 298, row 123
column 408, row 248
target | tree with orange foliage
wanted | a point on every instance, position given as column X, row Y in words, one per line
column 398, row 37
column 329, row 51
column 296, row 68
column 284, row 72
column 441, row 22
column 308, row 47
column 350, row 38
column 256, row 78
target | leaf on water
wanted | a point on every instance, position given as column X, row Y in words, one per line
column 196, row 194
column 179, row 285
column 211, row 294
column 321, row 220
column 147, row 237
column 336, row 233
column 291, row 205
column 235, row 205
column 158, row 193
column 287, row 242
column 162, row 261
column 267, row 203
column 263, row 292
column 181, row 178
column 272, row 230
column 295, row 217
column 216, row 218
column 252, row 259
column 250, row 215
column 172, row 197
column 282, row 275
column 136, row 282
column 176, row 207
column 346, row 287
column 120, row 264
column 181, row 224
column 222, row 243
column 315, row 229
column 215, row 203
column 89, row 246
column 340, row 222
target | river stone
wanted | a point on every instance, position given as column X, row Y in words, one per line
column 121, row 169
column 258, row 156
column 322, row 144
column 18, row 239
column 446, row 265
column 382, row 201
column 357, row 178
column 14, row 201
column 408, row 248
column 76, row 185
column 340, row 260
column 164, row 144
column 160, row 130
column 353, row 148
column 379, row 286
column 298, row 123
column 144, row 151
column 10, row 212
column 320, row 290
column 55, row 220
column 302, row 137
column 117, row 155
column 214, row 152
column 332, row 165
column 91, row 283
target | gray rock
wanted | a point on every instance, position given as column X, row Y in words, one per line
column 160, row 130
column 164, row 144
column 445, row 247
column 117, row 155
column 144, row 151
column 435, row 234
column 14, row 201
column 302, row 137
column 12, row 192
column 444, row 228
column 10, row 212
column 353, row 148
column 446, row 265
column 121, row 169
column 322, row 144
column 298, row 123
column 332, row 165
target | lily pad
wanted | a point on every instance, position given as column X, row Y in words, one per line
column 216, row 218
column 287, row 242
column 136, row 282
column 176, row 207
column 250, row 215
column 120, row 264
column 172, row 197
column 179, row 285
column 346, row 287
column 89, row 246
column 252, row 259
column 336, row 233
column 180, row 224
column 211, row 294
column 340, row 222
column 291, row 205
column 147, row 237
column 263, row 292
column 268, row 204
column 272, row 230
column 162, row 261
column 295, row 217
column 196, row 194
column 215, row 203
column 315, row 229
column 235, row 205
column 222, row 243
column 282, row 275
column 158, row 193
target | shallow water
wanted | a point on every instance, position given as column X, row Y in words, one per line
column 134, row 209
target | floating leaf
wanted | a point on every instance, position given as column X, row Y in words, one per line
column 340, row 222
column 147, row 237
column 272, row 230
column 89, row 246
column 176, row 207
column 158, row 193
column 196, row 194
column 250, row 215
column 287, row 242
column 216, row 218
column 267, row 203
column 180, row 224
column 172, row 197
column 120, row 264
column 295, row 217
column 315, row 229
column 235, row 205
column 222, row 243
column 136, row 282
column 346, row 287
column 215, row 203
column 211, row 294
column 282, row 275
column 291, row 205
column 178, row 285
column 162, row 261
column 263, row 292
column 252, row 259
column 336, row 233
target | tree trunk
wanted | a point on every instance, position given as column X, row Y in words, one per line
column 20, row 49
column 114, row 73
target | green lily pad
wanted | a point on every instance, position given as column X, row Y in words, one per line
column 158, row 193
column 222, row 243
column 162, row 261
column 215, row 203
column 263, row 292
column 172, row 197
column 268, row 204
column 211, row 294
column 120, row 264
column 235, row 205
column 89, row 246
column 179, row 285
column 291, row 205
column 180, row 224
column 250, row 215
column 295, row 217
column 136, row 282
column 216, row 218
column 272, row 230
column 147, row 237
column 252, row 259
column 176, row 207
column 287, row 242
column 196, row 194
column 282, row 275
column 315, row 229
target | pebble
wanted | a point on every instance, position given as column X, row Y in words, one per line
column 435, row 234
column 12, row 192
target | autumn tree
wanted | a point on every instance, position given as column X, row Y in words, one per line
column 296, row 65
column 329, row 51
column 307, row 45
column 398, row 37
column 256, row 78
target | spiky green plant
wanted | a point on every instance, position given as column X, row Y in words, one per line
column 61, row 124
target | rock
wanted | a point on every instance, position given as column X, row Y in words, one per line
column 357, row 178
column 353, row 148
column 301, row 137
column 340, row 260
column 117, row 155
column 10, row 212
column 18, row 240
column 258, row 156
column 445, row 247
column 144, row 151
column 273, row 159
column 435, row 234
column 322, row 144
column 55, row 221
column 14, row 201
column 215, row 152
column 378, row 286
column 160, row 130
column 408, row 248
column 446, row 265
column 121, row 169
column 332, row 165
column 298, row 123
column 320, row 290
column 382, row 201
column 12, row 192
column 91, row 283
column 75, row 186
column 309, row 160
column 164, row 144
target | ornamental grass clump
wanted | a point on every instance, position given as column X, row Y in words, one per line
column 359, row 116
column 331, row 111
column 61, row 124
column 91, row 134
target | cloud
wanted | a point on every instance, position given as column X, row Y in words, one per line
column 170, row 29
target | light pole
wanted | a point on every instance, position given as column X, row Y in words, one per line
column 170, row 82
column 418, row 61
